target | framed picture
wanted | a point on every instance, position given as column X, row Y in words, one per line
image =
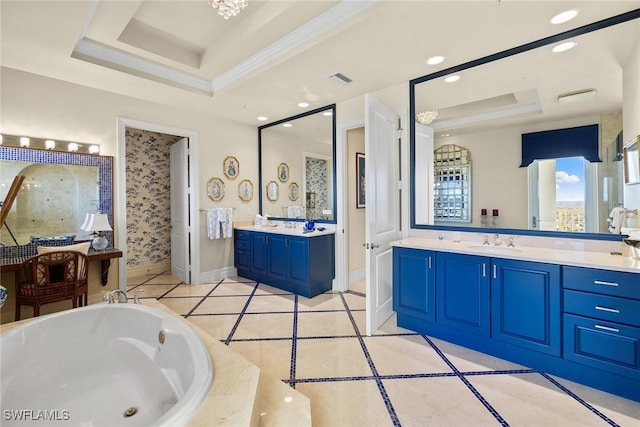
column 215, row 189
column 360, row 181
column 294, row 190
column 231, row 167
column 283, row 172
column 273, row 191
column 245, row 190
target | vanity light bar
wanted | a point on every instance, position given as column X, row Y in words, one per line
column 48, row 144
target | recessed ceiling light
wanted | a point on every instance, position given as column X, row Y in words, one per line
column 287, row 125
column 303, row 104
column 24, row 141
column 50, row 144
column 444, row 135
column 563, row 47
column 434, row 60
column 328, row 113
column 73, row 147
column 262, row 118
column 452, row 79
column 563, row 17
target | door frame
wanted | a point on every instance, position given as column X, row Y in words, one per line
column 120, row 238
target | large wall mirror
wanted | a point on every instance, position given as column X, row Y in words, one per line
column 58, row 191
column 526, row 90
column 298, row 167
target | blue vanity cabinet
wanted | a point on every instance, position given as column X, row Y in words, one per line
column 602, row 320
column 462, row 292
column 302, row 265
column 525, row 304
column 414, row 289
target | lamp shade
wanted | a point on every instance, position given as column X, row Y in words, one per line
column 96, row 222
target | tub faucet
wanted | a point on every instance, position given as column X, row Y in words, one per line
column 109, row 296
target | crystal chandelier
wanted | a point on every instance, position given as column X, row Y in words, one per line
column 228, row 8
column 426, row 117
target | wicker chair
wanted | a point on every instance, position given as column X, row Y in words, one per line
column 51, row 277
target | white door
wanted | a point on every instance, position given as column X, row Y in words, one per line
column 180, row 255
column 382, row 208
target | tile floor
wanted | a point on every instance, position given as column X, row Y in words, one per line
column 395, row 377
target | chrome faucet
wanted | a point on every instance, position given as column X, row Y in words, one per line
column 496, row 240
column 510, row 244
column 486, row 240
column 109, row 296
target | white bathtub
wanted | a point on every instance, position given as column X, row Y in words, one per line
column 92, row 366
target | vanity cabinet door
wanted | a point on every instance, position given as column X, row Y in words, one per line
column 298, row 265
column 278, row 256
column 414, row 289
column 525, row 304
column 462, row 292
column 259, row 253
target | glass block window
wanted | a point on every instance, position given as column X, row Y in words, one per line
column 452, row 184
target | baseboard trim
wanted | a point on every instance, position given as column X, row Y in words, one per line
column 217, row 275
column 358, row 275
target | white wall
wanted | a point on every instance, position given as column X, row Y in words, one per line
column 356, row 217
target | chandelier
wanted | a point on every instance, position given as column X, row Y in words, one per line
column 426, row 117
column 228, row 8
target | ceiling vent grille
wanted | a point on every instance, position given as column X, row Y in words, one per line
column 339, row 77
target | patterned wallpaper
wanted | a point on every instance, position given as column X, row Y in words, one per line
column 148, row 197
column 317, row 181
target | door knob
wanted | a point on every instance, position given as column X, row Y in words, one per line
column 373, row 246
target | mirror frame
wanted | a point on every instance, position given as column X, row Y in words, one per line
column 585, row 29
column 104, row 164
column 261, row 183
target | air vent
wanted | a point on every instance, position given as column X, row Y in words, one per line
column 339, row 77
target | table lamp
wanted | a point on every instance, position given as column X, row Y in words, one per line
column 96, row 224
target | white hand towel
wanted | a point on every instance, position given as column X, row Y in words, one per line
column 225, row 218
column 213, row 224
column 219, row 223
column 295, row 212
column 617, row 219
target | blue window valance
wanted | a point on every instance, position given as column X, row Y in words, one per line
column 558, row 143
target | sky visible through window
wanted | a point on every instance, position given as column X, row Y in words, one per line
column 570, row 181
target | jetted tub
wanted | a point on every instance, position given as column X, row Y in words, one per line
column 103, row 365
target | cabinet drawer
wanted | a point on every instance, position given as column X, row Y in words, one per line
column 243, row 235
column 604, row 307
column 603, row 345
column 243, row 244
column 614, row 283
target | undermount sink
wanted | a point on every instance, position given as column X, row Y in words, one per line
column 494, row 249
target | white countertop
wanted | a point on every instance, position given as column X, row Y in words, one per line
column 577, row 258
column 281, row 229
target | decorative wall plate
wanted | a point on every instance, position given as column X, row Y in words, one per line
column 272, row 191
column 231, row 167
column 283, row 172
column 215, row 189
column 245, row 190
column 294, row 191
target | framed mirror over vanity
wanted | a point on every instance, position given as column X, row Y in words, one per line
column 298, row 167
column 499, row 100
